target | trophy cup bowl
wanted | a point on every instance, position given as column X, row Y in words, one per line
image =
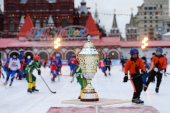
column 89, row 59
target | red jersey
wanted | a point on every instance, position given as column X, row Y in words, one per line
column 102, row 64
column 54, row 66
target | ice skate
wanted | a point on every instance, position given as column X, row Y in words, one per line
column 79, row 97
column 53, row 80
column 141, row 101
column 157, row 90
column 29, row 90
column 5, row 83
column 145, row 87
column 105, row 74
column 72, row 80
column 136, row 101
column 109, row 74
column 10, row 83
column 34, row 89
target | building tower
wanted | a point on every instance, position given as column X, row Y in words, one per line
column 151, row 15
column 21, row 23
column 96, row 16
column 51, row 23
column 131, row 30
column 114, row 32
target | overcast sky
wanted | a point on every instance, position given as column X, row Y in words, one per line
column 107, row 6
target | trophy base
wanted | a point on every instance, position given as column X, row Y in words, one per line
column 89, row 97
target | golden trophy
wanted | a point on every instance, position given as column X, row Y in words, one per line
column 89, row 60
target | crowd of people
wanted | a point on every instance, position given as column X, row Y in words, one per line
column 141, row 72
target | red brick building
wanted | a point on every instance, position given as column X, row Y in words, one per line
column 63, row 13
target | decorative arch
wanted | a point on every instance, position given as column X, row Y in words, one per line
column 116, row 54
column 13, row 51
column 29, row 53
column 43, row 51
column 61, row 53
column 3, row 55
column 69, row 52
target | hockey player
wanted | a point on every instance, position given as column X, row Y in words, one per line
column 108, row 63
column 28, row 59
column 51, row 60
column 147, row 67
column 73, row 63
column 159, row 64
column 102, row 66
column 6, row 65
column 59, row 64
column 1, row 70
column 31, row 79
column 134, row 65
column 13, row 68
column 54, row 67
column 23, row 65
column 122, row 61
column 81, row 79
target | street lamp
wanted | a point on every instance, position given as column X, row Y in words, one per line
column 57, row 43
column 144, row 44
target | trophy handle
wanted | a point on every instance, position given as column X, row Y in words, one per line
column 100, row 51
column 77, row 53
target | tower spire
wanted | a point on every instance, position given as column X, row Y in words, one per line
column 132, row 21
column 114, row 25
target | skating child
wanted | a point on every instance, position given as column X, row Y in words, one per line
column 147, row 67
column 73, row 62
column 23, row 65
column 108, row 63
column 122, row 61
column 102, row 66
column 134, row 65
column 31, row 79
column 81, row 79
column 54, row 67
column 51, row 60
column 159, row 64
column 59, row 64
column 13, row 68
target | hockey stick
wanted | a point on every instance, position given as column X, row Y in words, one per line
column 146, row 72
column 3, row 84
column 47, row 85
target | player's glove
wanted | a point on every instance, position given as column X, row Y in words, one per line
column 39, row 72
column 17, row 71
column 125, row 78
column 161, row 71
column 143, row 73
column 156, row 69
column 8, row 70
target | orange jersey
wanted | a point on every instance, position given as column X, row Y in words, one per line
column 160, row 63
column 134, row 67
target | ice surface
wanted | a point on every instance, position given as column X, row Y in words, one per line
column 16, row 99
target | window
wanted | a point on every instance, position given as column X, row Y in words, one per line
column 37, row 7
column 144, row 13
column 44, row 23
column 156, row 17
column 64, row 23
column 30, row 8
column 144, row 17
column 150, row 21
column 161, row 6
column 150, row 8
column 150, row 25
column 150, row 13
column 64, row 7
column 44, row 7
column 154, row 8
column 150, row 17
column 145, row 21
column 156, row 21
column 156, row 25
column 146, row 8
column 145, row 26
column 37, row 23
column 156, row 13
column 145, row 30
column 11, row 25
column 83, row 23
column 23, row 8
column 52, row 8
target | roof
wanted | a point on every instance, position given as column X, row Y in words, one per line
column 166, row 34
column 91, row 26
column 25, row 1
column 132, row 21
column 103, row 42
column 114, row 25
column 50, row 20
column 26, row 26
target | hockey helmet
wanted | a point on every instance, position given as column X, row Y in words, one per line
column 159, row 49
column 134, row 51
column 36, row 58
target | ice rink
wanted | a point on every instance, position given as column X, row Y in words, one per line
column 15, row 99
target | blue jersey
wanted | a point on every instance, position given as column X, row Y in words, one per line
column 28, row 61
column 51, row 62
column 123, row 61
column 59, row 61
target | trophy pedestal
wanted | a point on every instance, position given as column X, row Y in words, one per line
column 89, row 97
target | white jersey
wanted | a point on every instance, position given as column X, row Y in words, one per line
column 14, row 64
column 3, row 63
